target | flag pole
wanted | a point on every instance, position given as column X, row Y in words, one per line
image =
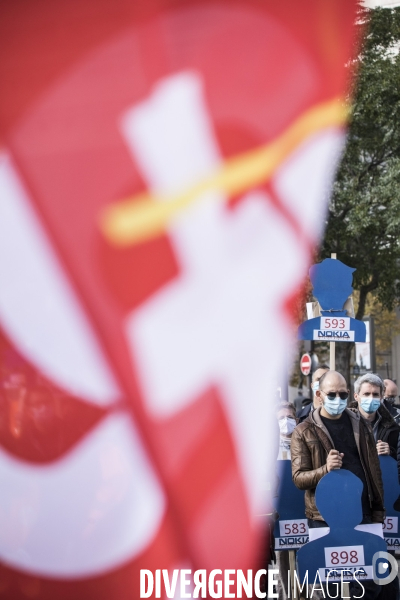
column 332, row 361
column 332, row 366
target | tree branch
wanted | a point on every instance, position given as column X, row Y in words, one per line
column 364, row 291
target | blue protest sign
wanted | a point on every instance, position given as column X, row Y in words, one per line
column 391, row 490
column 291, row 529
column 344, row 549
column 332, row 285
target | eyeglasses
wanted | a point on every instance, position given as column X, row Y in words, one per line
column 391, row 397
column 332, row 395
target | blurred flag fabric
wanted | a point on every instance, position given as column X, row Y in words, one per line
column 164, row 171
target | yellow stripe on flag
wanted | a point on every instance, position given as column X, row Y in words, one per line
column 146, row 216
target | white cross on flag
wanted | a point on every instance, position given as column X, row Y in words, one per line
column 163, row 180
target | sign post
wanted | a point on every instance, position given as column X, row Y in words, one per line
column 291, row 527
column 346, row 550
column 391, row 531
column 332, row 345
column 305, row 364
column 332, row 357
column 332, row 285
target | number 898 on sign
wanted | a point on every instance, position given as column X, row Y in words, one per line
column 344, row 556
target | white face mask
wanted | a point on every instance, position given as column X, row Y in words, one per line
column 287, row 425
column 315, row 386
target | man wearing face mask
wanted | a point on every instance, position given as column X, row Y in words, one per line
column 334, row 437
column 368, row 392
column 286, row 415
column 391, row 398
column 304, row 412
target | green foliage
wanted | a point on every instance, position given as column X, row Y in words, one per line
column 363, row 225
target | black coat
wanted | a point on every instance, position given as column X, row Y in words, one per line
column 395, row 413
column 388, row 430
column 304, row 412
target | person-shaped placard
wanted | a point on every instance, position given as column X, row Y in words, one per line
column 343, row 549
column 332, row 285
column 391, row 491
column 291, row 529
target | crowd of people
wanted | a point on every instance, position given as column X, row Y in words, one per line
column 337, row 432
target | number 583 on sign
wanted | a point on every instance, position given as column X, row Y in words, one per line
column 295, row 527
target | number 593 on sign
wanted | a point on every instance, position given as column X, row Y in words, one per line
column 332, row 323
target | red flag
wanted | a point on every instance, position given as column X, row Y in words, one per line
column 162, row 182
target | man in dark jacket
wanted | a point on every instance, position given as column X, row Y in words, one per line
column 334, row 437
column 369, row 392
column 390, row 399
column 305, row 411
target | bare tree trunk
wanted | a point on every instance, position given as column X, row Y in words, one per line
column 344, row 350
column 343, row 355
column 362, row 302
column 364, row 291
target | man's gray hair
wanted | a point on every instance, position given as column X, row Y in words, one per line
column 371, row 378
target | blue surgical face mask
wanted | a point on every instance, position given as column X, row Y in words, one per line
column 315, row 386
column 369, row 405
column 336, row 406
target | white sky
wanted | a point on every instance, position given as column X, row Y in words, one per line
column 374, row 3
